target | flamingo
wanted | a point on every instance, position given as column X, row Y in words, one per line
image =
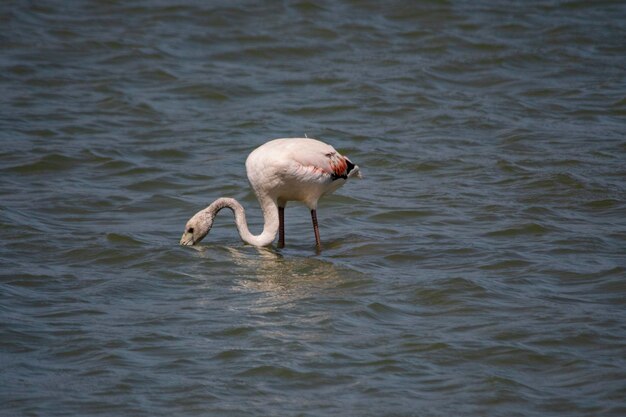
column 281, row 170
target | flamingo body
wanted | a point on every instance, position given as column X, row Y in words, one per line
column 281, row 170
column 296, row 170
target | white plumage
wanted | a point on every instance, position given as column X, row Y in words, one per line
column 281, row 170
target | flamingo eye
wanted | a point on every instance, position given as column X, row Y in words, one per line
column 190, row 230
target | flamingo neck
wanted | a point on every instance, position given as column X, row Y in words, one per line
column 270, row 218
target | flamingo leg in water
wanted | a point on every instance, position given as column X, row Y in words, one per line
column 316, row 229
column 281, row 227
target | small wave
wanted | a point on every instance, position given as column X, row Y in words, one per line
column 51, row 163
column 525, row 229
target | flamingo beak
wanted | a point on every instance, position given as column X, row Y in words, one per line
column 187, row 239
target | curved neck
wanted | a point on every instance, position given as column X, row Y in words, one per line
column 270, row 217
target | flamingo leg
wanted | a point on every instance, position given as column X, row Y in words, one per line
column 318, row 243
column 281, row 227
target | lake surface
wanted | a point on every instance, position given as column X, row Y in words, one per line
column 479, row 268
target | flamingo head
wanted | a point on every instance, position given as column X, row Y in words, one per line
column 197, row 228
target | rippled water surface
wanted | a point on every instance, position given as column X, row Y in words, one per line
column 478, row 268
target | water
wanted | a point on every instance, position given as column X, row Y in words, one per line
column 477, row 269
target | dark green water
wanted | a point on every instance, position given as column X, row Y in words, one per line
column 479, row 268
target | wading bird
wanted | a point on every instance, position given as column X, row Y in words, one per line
column 281, row 170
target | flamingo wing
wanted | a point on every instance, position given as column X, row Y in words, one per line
column 321, row 159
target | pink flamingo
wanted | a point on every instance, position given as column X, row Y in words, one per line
column 281, row 170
